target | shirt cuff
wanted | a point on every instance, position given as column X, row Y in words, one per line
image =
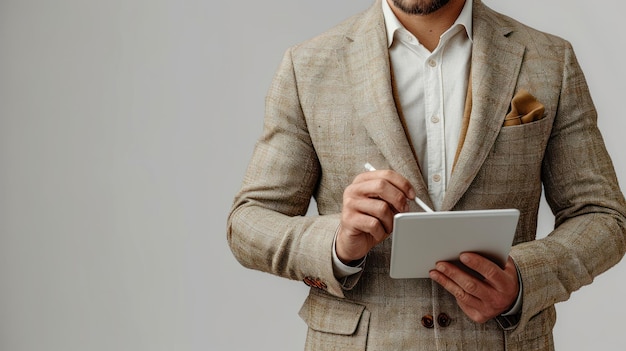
column 342, row 270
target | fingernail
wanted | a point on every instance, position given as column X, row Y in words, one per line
column 412, row 194
column 440, row 267
column 465, row 258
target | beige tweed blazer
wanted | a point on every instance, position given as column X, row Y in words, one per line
column 330, row 108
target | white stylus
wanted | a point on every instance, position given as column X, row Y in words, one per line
column 421, row 203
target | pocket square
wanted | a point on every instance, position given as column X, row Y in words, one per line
column 524, row 109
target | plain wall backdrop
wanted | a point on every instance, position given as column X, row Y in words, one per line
column 125, row 130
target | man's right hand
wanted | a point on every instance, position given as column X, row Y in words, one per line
column 369, row 204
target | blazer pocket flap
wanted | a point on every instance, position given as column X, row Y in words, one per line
column 331, row 315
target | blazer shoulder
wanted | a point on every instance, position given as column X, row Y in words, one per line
column 344, row 32
column 521, row 32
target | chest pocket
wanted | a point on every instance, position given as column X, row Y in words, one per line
column 513, row 165
column 525, row 143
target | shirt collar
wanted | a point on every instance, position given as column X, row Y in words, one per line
column 392, row 24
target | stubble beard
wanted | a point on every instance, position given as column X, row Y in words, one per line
column 419, row 7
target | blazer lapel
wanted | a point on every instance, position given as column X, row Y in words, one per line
column 367, row 67
column 496, row 62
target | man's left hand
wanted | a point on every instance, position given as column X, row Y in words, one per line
column 481, row 300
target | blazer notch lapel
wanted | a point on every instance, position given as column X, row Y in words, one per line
column 496, row 61
column 368, row 68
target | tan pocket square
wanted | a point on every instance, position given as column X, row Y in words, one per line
column 524, row 109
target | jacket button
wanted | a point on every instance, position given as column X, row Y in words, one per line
column 443, row 320
column 428, row 322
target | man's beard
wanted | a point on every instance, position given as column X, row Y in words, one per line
column 419, row 7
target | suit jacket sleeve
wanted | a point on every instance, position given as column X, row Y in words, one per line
column 267, row 229
column 582, row 190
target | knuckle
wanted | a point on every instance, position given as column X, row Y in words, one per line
column 386, row 173
column 350, row 188
column 489, row 272
column 470, row 286
column 379, row 186
column 359, row 177
column 349, row 203
column 400, row 200
column 371, row 224
column 382, row 208
column 349, row 206
column 460, row 295
column 348, row 192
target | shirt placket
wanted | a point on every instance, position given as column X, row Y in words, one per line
column 435, row 128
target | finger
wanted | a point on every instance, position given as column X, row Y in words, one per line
column 441, row 275
column 501, row 286
column 395, row 178
column 374, row 207
column 493, row 274
column 482, row 265
column 358, row 234
column 380, row 188
column 380, row 210
column 358, row 223
column 471, row 305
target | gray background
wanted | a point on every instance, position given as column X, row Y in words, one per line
column 125, row 129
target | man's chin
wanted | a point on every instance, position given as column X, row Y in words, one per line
column 419, row 7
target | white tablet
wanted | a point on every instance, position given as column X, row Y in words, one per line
column 421, row 239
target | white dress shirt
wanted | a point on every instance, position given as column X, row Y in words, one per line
column 432, row 87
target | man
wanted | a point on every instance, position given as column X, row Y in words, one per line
column 464, row 108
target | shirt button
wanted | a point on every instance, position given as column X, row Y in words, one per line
column 432, row 63
column 443, row 320
column 434, row 119
column 437, row 178
column 428, row 322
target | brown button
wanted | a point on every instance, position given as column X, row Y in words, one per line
column 428, row 322
column 443, row 320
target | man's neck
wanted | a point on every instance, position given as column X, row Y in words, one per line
column 429, row 28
